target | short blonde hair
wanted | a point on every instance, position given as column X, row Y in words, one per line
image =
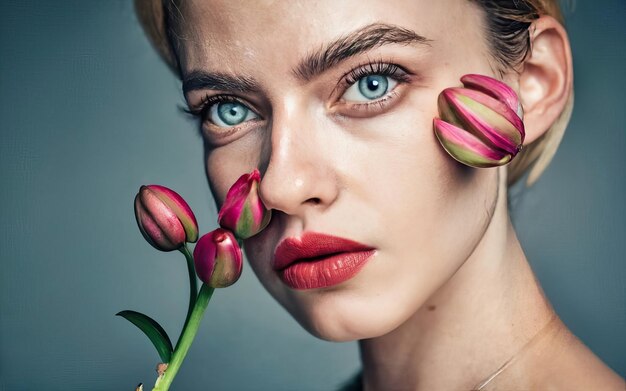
column 509, row 47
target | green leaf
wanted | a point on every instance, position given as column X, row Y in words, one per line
column 153, row 330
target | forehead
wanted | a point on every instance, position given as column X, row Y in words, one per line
column 241, row 34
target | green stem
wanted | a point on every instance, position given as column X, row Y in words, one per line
column 193, row 287
column 186, row 338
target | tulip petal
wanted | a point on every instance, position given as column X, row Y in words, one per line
column 218, row 258
column 243, row 211
column 233, row 204
column 499, row 107
column 158, row 224
column 148, row 226
column 238, row 192
column 175, row 202
column 488, row 119
column 228, row 264
column 494, row 88
column 446, row 111
column 245, row 224
column 204, row 255
column 257, row 209
column 467, row 148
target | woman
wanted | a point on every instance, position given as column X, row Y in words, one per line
column 334, row 103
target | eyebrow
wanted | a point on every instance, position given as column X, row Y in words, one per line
column 356, row 42
column 315, row 63
column 200, row 80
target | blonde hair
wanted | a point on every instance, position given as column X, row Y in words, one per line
column 508, row 22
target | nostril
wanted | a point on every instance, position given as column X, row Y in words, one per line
column 315, row 201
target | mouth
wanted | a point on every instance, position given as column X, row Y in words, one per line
column 318, row 260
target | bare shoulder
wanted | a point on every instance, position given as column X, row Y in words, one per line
column 575, row 367
column 560, row 361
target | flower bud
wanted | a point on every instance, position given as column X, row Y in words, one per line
column 480, row 125
column 243, row 212
column 218, row 258
column 494, row 88
column 164, row 218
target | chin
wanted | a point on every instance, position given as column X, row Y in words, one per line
column 336, row 320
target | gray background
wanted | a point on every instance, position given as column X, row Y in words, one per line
column 88, row 113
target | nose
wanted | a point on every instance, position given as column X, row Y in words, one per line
column 298, row 177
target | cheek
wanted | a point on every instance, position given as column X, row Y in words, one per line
column 224, row 165
column 428, row 196
column 431, row 212
column 435, row 230
column 258, row 251
column 219, row 174
column 411, row 179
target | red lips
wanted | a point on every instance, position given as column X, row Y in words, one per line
column 313, row 245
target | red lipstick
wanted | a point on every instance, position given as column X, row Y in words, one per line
column 318, row 261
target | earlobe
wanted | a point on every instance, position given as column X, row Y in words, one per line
column 545, row 82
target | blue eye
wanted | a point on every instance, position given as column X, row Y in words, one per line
column 228, row 114
column 369, row 88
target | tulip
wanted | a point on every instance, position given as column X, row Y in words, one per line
column 494, row 88
column 243, row 212
column 218, row 258
column 480, row 124
column 164, row 218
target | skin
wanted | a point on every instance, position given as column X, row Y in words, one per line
column 449, row 295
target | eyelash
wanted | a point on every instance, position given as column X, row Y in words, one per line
column 208, row 101
column 375, row 68
column 372, row 68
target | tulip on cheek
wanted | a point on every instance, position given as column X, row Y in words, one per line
column 218, row 258
column 480, row 124
column 467, row 148
column 494, row 88
column 243, row 212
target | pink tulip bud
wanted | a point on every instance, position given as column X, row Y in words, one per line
column 494, row 88
column 164, row 218
column 218, row 258
column 480, row 124
column 243, row 212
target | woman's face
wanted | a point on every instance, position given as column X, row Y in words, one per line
column 333, row 101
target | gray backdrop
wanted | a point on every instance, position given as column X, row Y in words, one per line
column 88, row 113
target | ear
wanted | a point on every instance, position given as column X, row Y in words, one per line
column 546, row 78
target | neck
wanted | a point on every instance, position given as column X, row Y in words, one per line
column 479, row 319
